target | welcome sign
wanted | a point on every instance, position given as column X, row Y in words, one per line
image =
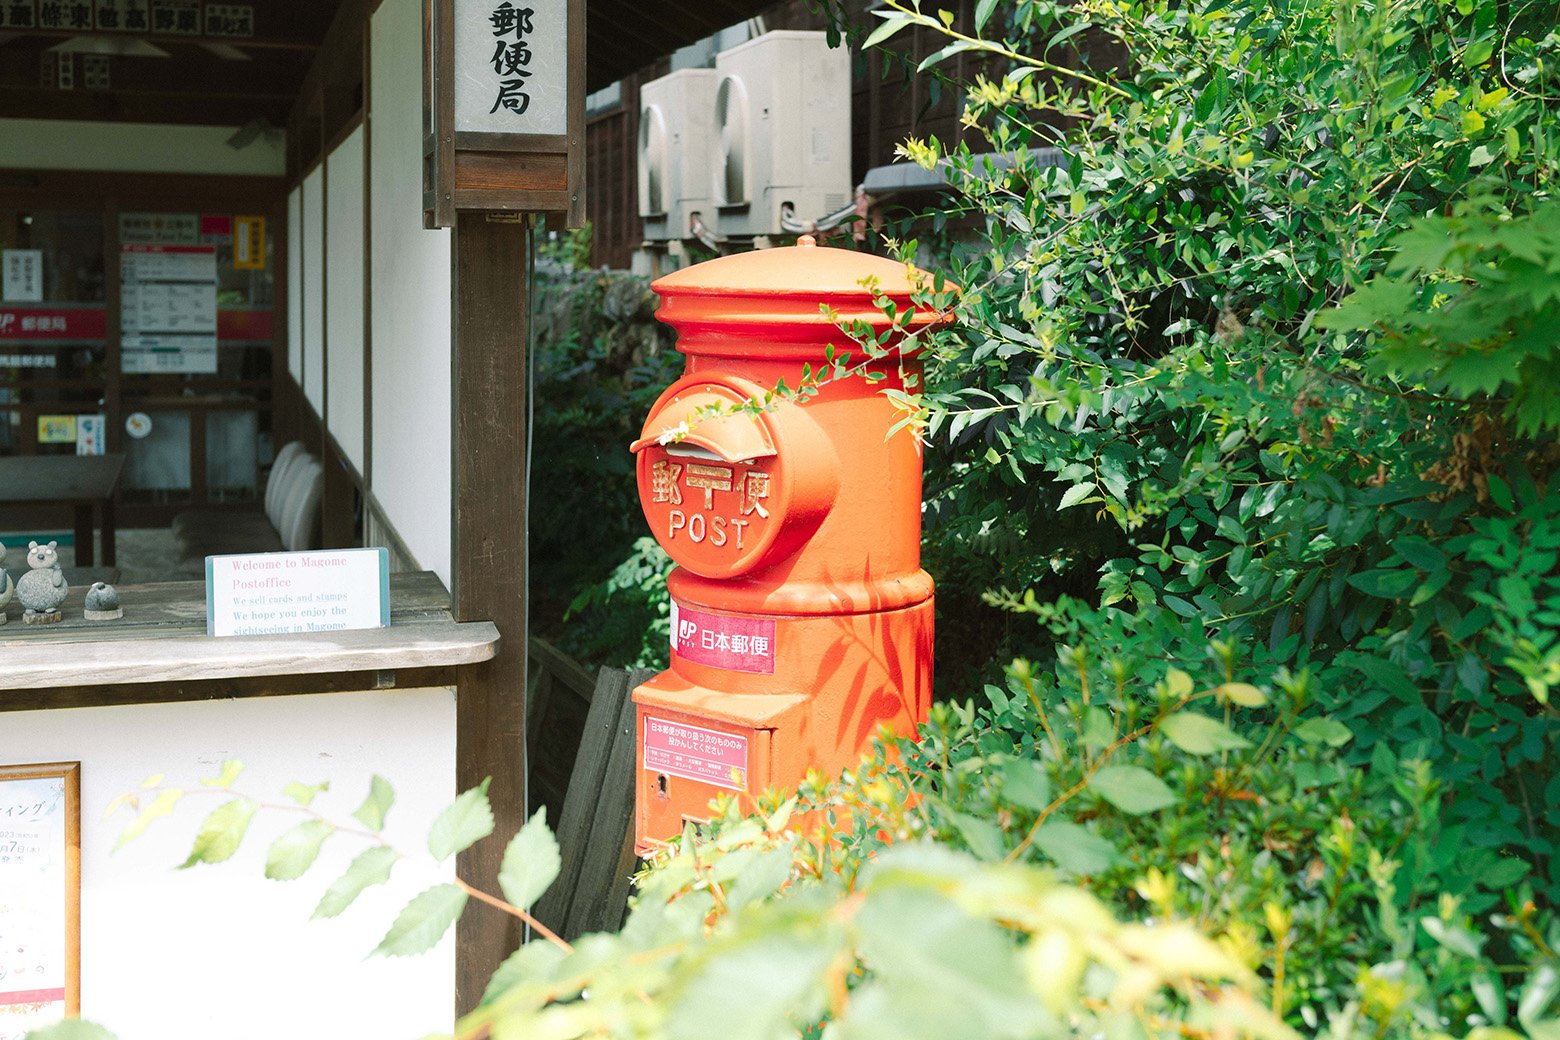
column 275, row 593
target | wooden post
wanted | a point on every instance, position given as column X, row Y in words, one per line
column 489, row 322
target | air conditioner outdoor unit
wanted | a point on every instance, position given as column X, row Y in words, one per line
column 782, row 131
column 674, row 153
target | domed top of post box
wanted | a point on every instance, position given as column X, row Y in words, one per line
column 769, row 298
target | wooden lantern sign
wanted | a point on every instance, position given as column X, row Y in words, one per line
column 504, row 115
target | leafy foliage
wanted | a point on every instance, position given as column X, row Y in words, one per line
column 1257, row 336
column 601, row 359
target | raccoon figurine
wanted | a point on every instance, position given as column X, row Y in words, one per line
column 7, row 588
column 42, row 589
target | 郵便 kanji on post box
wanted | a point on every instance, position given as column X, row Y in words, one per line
column 801, row 617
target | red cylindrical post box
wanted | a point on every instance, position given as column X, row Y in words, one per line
column 801, row 617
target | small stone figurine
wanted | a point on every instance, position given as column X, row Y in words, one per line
column 103, row 603
column 42, row 589
column 7, row 589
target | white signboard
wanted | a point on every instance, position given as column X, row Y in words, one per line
column 35, row 889
column 168, row 308
column 511, row 66
column 23, row 275
column 269, row 593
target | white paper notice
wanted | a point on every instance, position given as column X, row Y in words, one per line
column 168, row 307
column 23, row 275
column 269, row 593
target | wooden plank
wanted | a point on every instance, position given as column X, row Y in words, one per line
column 574, row 824
column 511, row 200
column 575, row 205
column 510, row 171
column 477, row 141
column 227, row 689
column 55, row 663
column 177, row 609
column 489, row 371
column 608, row 854
column 563, row 668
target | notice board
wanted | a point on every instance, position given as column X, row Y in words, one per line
column 40, row 896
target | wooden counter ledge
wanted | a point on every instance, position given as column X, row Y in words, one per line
column 160, row 651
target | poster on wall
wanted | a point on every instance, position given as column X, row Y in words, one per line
column 89, row 434
column 165, row 229
column 19, row 14
column 168, row 308
column 40, row 896
column 23, row 279
column 56, row 429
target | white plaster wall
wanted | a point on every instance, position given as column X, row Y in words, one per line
column 344, row 255
column 47, row 144
column 217, row 950
column 295, row 284
column 410, row 280
column 316, row 286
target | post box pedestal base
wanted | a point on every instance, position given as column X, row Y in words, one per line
column 703, row 731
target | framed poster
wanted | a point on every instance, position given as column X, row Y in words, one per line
column 40, row 896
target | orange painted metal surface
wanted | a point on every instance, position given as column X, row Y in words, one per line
column 802, row 620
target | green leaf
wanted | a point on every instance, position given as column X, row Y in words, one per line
column 946, row 53
column 1132, row 789
column 1324, row 731
column 1200, row 735
column 1504, row 874
column 1098, row 729
column 1178, row 683
column 1244, row 694
column 1458, row 940
column 1025, row 783
column 1075, row 849
column 71, row 1029
column 160, row 806
column 372, row 867
column 531, row 862
column 374, row 808
column 982, row 836
column 983, row 10
column 1075, row 494
column 534, row 961
column 465, row 822
column 1385, row 584
column 423, row 922
column 221, row 832
column 892, row 24
column 230, row 770
column 304, row 794
column 295, row 851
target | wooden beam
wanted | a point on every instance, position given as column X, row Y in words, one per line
column 340, row 53
column 286, row 24
column 207, row 109
column 187, row 70
column 489, row 377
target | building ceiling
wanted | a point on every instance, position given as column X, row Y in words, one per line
column 188, row 61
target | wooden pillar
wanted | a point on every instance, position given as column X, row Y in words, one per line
column 337, row 530
column 489, row 320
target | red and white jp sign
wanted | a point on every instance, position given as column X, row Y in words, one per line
column 735, row 643
column 695, row 753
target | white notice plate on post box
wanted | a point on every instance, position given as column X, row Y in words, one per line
column 268, row 593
